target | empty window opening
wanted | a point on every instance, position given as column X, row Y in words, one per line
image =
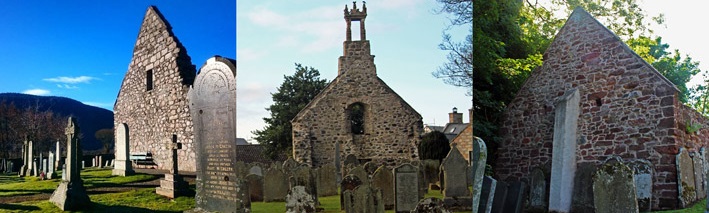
column 356, row 36
column 599, row 102
column 149, row 80
column 356, row 118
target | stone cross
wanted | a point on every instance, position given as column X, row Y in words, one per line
column 30, row 159
column 73, row 151
column 174, row 146
column 71, row 195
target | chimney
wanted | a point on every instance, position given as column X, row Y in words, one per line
column 470, row 115
column 455, row 117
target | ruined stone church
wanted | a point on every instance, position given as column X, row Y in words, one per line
column 357, row 113
column 595, row 100
column 152, row 101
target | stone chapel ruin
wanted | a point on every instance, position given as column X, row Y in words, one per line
column 357, row 113
column 595, row 100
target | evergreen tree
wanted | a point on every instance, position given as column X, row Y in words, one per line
column 434, row 145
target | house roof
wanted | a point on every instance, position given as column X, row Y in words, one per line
column 451, row 130
column 253, row 153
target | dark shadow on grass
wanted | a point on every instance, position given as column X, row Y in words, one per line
column 18, row 207
column 97, row 207
column 26, row 192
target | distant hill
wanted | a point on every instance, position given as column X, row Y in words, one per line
column 90, row 118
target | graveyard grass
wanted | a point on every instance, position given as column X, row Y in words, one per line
column 145, row 199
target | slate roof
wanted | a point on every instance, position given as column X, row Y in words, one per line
column 453, row 129
column 254, row 153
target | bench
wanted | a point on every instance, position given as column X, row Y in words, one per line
column 142, row 158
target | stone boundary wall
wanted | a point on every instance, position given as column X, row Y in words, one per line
column 627, row 108
column 692, row 128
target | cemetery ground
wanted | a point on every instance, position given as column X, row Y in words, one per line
column 136, row 193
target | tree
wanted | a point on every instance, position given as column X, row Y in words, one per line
column 293, row 95
column 434, row 145
column 106, row 138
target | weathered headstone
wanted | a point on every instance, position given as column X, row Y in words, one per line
column 99, row 161
column 256, row 187
column 256, row 170
column 51, row 174
column 70, row 194
column 498, row 202
column 213, row 111
column 363, row 199
column 35, row 168
column 614, row 189
column 327, row 180
column 515, row 196
column 406, row 189
column 10, row 167
column 360, row 173
column 685, row 177
column 57, row 157
column 304, row 176
column 289, row 165
column 563, row 163
column 698, row 163
column 350, row 182
column 383, row 180
column 123, row 166
column 44, row 166
column 351, row 159
column 423, row 187
column 456, row 193
column 487, row 194
column 642, row 175
column 173, row 185
column 31, row 169
column 370, row 167
column 299, row 200
column 478, row 161
column 537, row 191
column 277, row 185
column 430, row 205
column 430, row 170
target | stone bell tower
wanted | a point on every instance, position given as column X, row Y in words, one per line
column 356, row 50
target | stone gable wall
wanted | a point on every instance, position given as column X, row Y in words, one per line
column 464, row 142
column 153, row 116
column 627, row 109
column 392, row 127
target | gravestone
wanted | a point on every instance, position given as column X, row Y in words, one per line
column 537, row 191
column 370, row 167
column 487, row 194
column 360, row 173
column 685, row 176
column 36, row 169
column 256, row 187
column 350, row 182
column 327, row 180
column 44, row 166
column 173, row 185
column 289, row 165
column 478, row 161
column 515, row 196
column 71, row 195
column 430, row 205
column 423, row 187
column 698, row 163
column 3, row 168
column 351, row 159
column 614, row 189
column 213, row 111
column 10, row 167
column 25, row 165
column 430, row 171
column 455, row 172
column 241, row 169
column 363, row 199
column 498, row 202
column 563, row 163
column 406, row 189
column 57, row 157
column 256, row 170
column 304, row 176
column 299, row 200
column 99, row 160
column 642, row 176
column 277, row 185
column 51, row 174
column 383, row 180
column 123, row 166
column 31, row 169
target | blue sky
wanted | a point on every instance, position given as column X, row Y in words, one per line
column 81, row 49
column 404, row 36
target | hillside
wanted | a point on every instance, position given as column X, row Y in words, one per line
column 89, row 118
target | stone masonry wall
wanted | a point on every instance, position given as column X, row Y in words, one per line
column 627, row 108
column 464, row 142
column 391, row 128
column 153, row 116
column 692, row 128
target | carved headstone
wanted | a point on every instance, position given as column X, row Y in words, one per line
column 71, row 195
column 289, row 165
column 455, row 172
column 538, row 191
column 363, row 199
column 351, row 159
column 256, row 170
column 478, row 161
column 304, row 176
column 685, row 176
column 487, row 194
column 383, row 180
column 563, row 163
column 57, row 157
column 614, row 189
column 327, row 180
column 31, row 169
column 698, row 163
column 277, row 185
column 642, row 176
column 360, row 173
column 51, row 173
column 256, row 187
column 123, row 165
column 350, row 182
column 173, row 185
column 299, row 200
column 406, row 189
column 213, row 111
column 370, row 167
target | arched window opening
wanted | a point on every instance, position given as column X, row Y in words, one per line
column 356, row 118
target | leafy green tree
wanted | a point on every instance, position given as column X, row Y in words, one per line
column 434, row 145
column 293, row 95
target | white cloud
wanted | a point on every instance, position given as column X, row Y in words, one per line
column 98, row 104
column 67, row 86
column 248, row 54
column 36, row 92
column 71, row 80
